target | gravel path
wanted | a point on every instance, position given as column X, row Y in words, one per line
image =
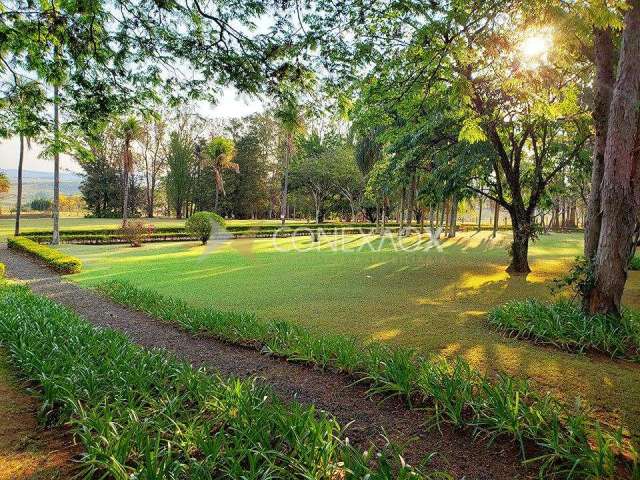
column 456, row 453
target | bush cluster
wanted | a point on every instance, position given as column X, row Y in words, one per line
column 136, row 232
column 572, row 445
column 565, row 326
column 200, row 225
column 163, row 418
column 52, row 257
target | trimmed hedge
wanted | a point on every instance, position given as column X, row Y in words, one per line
column 52, row 257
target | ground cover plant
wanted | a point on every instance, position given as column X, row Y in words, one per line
column 565, row 326
column 58, row 261
column 164, row 419
column 566, row 442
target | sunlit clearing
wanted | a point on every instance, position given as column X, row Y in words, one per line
column 534, row 48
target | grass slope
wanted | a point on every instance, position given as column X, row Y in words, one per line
column 433, row 301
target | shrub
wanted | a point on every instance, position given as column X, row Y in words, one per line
column 634, row 264
column 52, row 257
column 565, row 326
column 40, row 204
column 200, row 225
column 135, row 232
column 164, row 418
column 453, row 391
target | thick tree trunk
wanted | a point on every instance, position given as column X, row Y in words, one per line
column 604, row 51
column 619, row 201
column 496, row 217
column 19, row 195
column 520, row 244
column 55, row 236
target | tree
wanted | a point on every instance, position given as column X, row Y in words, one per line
column 220, row 153
column 152, row 139
column 347, row 176
column 180, row 158
column 613, row 209
column 130, row 130
column 291, row 121
column 5, row 184
column 22, row 104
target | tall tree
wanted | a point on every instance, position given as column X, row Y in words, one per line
column 180, row 159
column 289, row 114
column 220, row 153
column 613, row 209
column 130, row 130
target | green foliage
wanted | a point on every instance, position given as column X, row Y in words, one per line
column 200, row 225
column 3, row 270
column 52, row 257
column 634, row 264
column 180, row 158
column 164, row 417
column 40, row 204
column 564, row 325
column 453, row 391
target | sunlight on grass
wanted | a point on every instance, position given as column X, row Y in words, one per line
column 434, row 301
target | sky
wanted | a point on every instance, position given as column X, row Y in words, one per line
column 231, row 105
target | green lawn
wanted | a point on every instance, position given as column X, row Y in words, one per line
column 432, row 300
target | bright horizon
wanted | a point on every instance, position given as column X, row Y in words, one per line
column 231, row 105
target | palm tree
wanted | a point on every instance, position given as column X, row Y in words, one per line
column 220, row 153
column 130, row 130
column 291, row 121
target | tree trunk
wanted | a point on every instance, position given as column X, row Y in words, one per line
column 453, row 222
column 401, row 217
column 520, row 245
column 496, row 217
column 125, row 197
column 619, row 194
column 55, row 236
column 19, row 195
column 285, row 187
column 603, row 87
column 480, row 198
column 412, row 199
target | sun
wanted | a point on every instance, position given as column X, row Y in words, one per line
column 534, row 48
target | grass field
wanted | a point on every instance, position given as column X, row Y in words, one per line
column 432, row 300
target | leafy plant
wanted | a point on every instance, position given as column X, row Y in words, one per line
column 164, row 418
column 201, row 224
column 565, row 326
column 452, row 390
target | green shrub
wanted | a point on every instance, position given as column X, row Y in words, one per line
column 634, row 264
column 200, row 225
column 565, row 326
column 164, row 418
column 135, row 232
column 52, row 257
column 453, row 391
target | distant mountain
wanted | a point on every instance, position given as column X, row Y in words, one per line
column 38, row 185
column 31, row 174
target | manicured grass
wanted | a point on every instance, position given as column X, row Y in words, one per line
column 432, row 301
column 451, row 392
column 163, row 418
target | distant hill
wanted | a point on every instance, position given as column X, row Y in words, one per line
column 38, row 184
